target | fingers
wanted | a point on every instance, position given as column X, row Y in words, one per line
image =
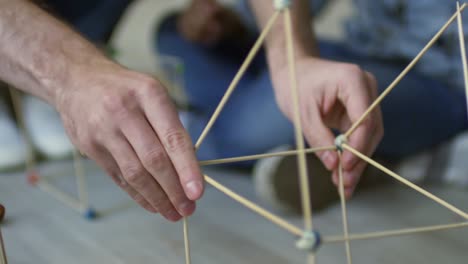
column 163, row 118
column 367, row 136
column 318, row 134
column 356, row 98
column 155, row 160
column 107, row 163
column 135, row 174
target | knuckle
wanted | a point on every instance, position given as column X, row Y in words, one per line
column 176, row 140
column 135, row 175
column 154, row 158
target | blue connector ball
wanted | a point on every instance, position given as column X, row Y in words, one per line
column 90, row 214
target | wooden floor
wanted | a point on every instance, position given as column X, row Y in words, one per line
column 39, row 229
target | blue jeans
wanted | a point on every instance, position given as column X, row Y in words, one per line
column 418, row 114
column 95, row 19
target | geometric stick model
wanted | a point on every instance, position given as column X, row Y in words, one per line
column 81, row 203
column 310, row 239
column 3, row 258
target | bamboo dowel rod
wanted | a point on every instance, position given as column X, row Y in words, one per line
column 403, row 73
column 407, row 182
column 255, row 208
column 16, row 102
column 61, row 196
column 461, row 35
column 80, row 178
column 258, row 44
column 304, row 180
column 262, row 156
column 188, row 257
column 3, row 256
column 393, row 233
column 344, row 213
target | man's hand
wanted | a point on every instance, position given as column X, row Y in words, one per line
column 332, row 96
column 126, row 122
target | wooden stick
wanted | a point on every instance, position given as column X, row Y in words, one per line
column 300, row 146
column 61, row 196
column 306, row 204
column 258, row 44
column 262, row 156
column 3, row 257
column 16, row 102
column 406, row 182
column 461, row 35
column 344, row 213
column 392, row 233
column 80, row 178
column 188, row 257
column 403, row 73
column 255, row 208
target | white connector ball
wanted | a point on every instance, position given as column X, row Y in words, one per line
column 339, row 141
column 310, row 241
column 282, row 4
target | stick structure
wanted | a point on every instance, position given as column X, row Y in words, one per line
column 301, row 158
column 403, row 73
column 262, row 156
column 237, row 78
column 61, row 196
column 16, row 102
column 254, row 207
column 406, row 182
column 80, row 176
column 188, row 257
column 393, row 233
column 344, row 212
column 3, row 257
column 461, row 35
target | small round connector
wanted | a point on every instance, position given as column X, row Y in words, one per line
column 90, row 214
column 282, row 4
column 339, row 141
column 33, row 178
column 310, row 241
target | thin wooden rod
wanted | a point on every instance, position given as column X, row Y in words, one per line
column 80, row 178
column 393, row 233
column 61, row 196
column 3, row 257
column 262, row 156
column 258, row 44
column 461, row 35
column 16, row 102
column 301, row 158
column 188, row 257
column 403, row 73
column 406, row 182
column 344, row 212
column 255, row 208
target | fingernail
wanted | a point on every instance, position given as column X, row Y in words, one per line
column 187, row 208
column 348, row 179
column 173, row 216
column 327, row 159
column 194, row 189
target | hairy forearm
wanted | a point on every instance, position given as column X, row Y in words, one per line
column 303, row 35
column 38, row 53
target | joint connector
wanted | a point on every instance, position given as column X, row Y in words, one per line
column 339, row 141
column 280, row 5
column 310, row 241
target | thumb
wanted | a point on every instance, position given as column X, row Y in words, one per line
column 317, row 135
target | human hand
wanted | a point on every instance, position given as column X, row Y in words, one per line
column 333, row 95
column 207, row 22
column 126, row 122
